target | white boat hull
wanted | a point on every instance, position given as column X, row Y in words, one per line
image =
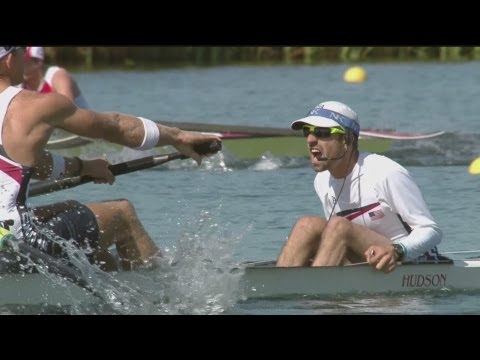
column 263, row 279
column 51, row 290
column 35, row 289
column 266, row 280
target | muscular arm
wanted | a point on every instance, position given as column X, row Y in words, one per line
column 405, row 198
column 114, row 127
column 127, row 130
column 32, row 117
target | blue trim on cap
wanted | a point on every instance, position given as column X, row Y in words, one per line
column 343, row 120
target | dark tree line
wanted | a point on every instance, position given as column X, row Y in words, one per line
column 155, row 56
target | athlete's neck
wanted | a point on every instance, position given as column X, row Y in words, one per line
column 345, row 167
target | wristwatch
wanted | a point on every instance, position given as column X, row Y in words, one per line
column 399, row 251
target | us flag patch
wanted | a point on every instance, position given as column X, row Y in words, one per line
column 376, row 215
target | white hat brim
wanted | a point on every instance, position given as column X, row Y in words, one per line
column 314, row 120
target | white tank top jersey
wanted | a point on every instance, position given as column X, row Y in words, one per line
column 381, row 195
column 48, row 78
column 14, row 177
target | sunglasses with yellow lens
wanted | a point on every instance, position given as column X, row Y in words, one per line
column 322, row 132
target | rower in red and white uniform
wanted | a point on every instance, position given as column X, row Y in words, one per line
column 54, row 79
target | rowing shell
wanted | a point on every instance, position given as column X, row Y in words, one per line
column 263, row 279
column 31, row 289
column 251, row 142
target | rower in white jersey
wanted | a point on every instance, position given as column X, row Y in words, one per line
column 54, row 79
column 374, row 210
column 27, row 120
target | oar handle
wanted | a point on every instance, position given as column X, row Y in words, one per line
column 44, row 187
column 137, row 164
column 150, row 161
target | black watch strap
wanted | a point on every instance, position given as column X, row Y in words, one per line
column 400, row 251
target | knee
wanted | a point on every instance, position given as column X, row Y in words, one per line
column 338, row 227
column 311, row 224
column 123, row 207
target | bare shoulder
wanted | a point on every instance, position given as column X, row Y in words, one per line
column 64, row 83
column 36, row 107
column 62, row 75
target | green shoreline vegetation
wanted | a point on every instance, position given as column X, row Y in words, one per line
column 90, row 58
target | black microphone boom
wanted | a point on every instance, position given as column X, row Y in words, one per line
column 334, row 158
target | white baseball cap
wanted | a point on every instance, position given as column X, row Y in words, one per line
column 35, row 51
column 330, row 114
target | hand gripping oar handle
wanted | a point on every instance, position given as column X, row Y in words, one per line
column 44, row 187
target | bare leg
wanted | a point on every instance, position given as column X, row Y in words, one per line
column 303, row 242
column 119, row 225
column 342, row 240
column 45, row 213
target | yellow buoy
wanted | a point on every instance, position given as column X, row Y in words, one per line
column 474, row 167
column 355, row 75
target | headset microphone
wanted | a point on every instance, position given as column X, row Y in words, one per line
column 334, row 158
